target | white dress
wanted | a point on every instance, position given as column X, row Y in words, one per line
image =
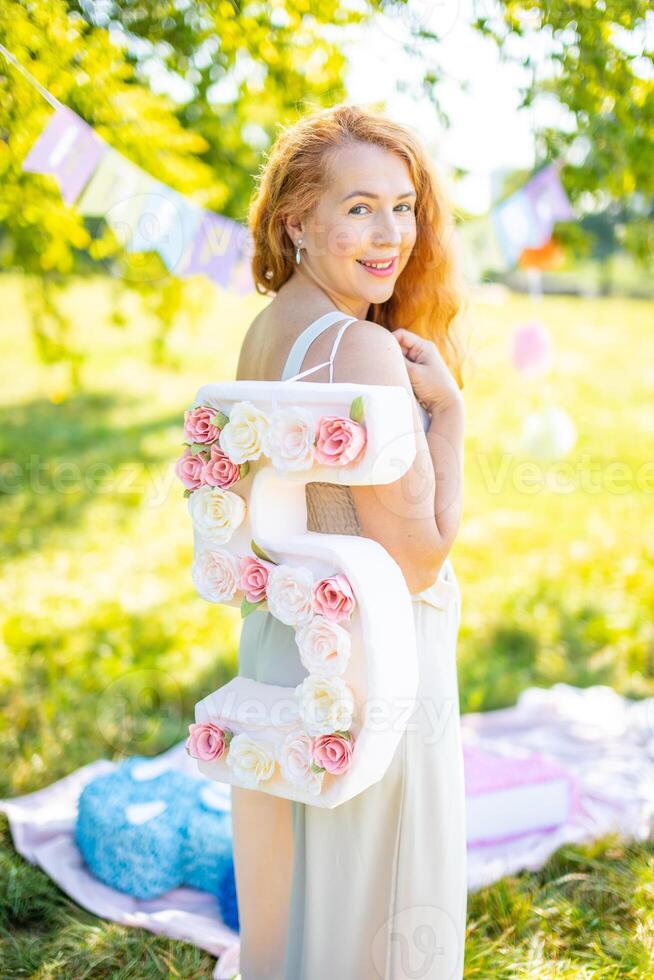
column 378, row 887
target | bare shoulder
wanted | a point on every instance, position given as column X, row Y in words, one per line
column 370, row 354
column 249, row 347
column 250, row 335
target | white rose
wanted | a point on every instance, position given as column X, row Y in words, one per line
column 295, row 762
column 326, row 704
column 289, row 439
column 215, row 574
column 325, row 647
column 251, row 760
column 289, row 594
column 216, row 513
column 241, row 438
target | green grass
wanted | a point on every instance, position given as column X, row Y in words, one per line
column 105, row 647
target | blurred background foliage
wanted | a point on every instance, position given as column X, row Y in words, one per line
column 239, row 72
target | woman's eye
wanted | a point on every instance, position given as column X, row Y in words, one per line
column 353, row 209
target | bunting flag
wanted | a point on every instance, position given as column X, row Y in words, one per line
column 177, row 221
column 144, row 213
column 525, row 219
column 516, row 227
column 113, row 190
column 69, row 149
column 548, row 200
column 214, row 250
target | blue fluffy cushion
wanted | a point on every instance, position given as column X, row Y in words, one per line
column 208, row 853
column 144, row 831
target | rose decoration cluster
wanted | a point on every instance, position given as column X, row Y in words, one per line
column 218, row 447
column 316, row 610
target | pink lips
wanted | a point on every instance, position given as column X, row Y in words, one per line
column 383, row 273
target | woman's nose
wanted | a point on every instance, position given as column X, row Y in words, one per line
column 387, row 231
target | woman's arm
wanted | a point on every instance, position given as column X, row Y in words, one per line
column 399, row 515
column 445, row 440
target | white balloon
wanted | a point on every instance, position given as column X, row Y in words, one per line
column 548, row 434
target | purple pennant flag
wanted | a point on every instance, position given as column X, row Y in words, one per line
column 242, row 280
column 215, row 250
column 548, row 200
column 69, row 149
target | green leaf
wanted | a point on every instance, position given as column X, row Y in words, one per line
column 229, row 735
column 220, row 420
column 315, row 768
column 244, row 469
column 260, row 553
column 247, row 607
column 188, row 492
column 197, row 447
column 344, row 734
column 356, row 409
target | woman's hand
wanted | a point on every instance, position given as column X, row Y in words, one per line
column 430, row 377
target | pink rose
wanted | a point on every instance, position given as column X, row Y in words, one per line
column 189, row 469
column 333, row 753
column 253, row 578
column 219, row 470
column 339, row 440
column 206, row 741
column 198, row 426
column 333, row 598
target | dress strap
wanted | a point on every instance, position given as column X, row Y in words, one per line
column 302, row 343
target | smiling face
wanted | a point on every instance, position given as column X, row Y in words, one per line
column 365, row 218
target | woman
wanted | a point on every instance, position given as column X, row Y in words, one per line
column 375, row 887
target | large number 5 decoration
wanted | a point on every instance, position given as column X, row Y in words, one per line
column 251, row 448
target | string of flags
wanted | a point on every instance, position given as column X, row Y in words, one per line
column 519, row 226
column 144, row 213
column 147, row 215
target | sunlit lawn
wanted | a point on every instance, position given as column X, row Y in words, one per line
column 105, row 646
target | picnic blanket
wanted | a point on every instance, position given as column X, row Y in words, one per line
column 604, row 739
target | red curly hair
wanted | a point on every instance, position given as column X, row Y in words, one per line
column 429, row 292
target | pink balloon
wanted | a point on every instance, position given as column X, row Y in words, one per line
column 532, row 348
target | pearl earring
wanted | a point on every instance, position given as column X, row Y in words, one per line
column 297, row 251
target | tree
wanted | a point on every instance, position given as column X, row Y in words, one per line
column 245, row 71
column 598, row 68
